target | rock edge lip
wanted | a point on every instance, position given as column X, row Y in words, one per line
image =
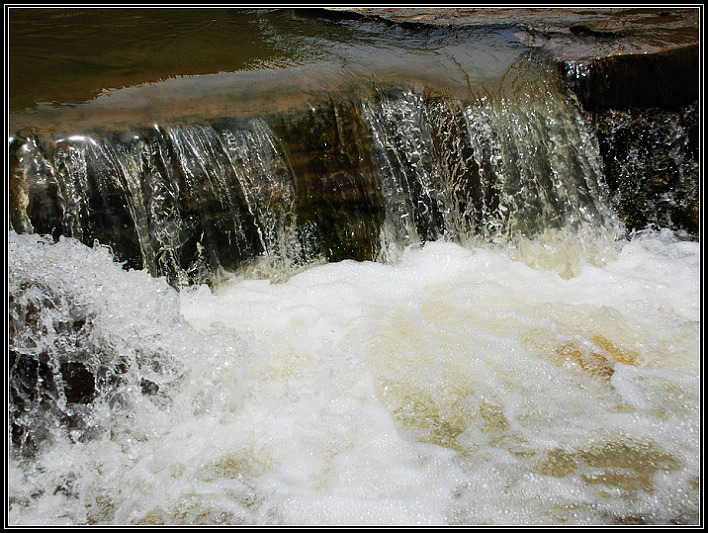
column 611, row 58
column 584, row 33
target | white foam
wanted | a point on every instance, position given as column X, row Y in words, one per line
column 456, row 386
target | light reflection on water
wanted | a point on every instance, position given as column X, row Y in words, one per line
column 228, row 61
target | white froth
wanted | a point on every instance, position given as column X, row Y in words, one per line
column 458, row 386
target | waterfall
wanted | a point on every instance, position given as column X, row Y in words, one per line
column 182, row 201
column 395, row 306
column 503, row 166
column 361, row 178
column 267, row 185
column 404, row 155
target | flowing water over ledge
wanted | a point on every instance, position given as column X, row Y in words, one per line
column 373, row 301
column 356, row 178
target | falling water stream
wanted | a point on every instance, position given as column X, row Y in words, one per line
column 395, row 305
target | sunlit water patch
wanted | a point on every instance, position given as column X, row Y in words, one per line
column 484, row 384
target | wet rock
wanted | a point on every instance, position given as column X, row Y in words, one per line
column 148, row 387
column 328, row 153
column 78, row 381
column 34, row 195
column 47, row 180
column 580, row 29
column 612, row 58
column 667, row 79
column 152, row 198
column 57, row 368
column 650, row 159
column 47, row 372
column 635, row 71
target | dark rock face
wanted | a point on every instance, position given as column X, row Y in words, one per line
column 58, row 367
column 36, row 390
column 667, row 79
column 50, row 356
column 337, row 193
column 651, row 165
column 645, row 110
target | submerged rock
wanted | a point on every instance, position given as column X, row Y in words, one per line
column 61, row 366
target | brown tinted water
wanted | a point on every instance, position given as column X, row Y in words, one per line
column 135, row 66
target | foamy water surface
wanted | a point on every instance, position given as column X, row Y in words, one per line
column 460, row 385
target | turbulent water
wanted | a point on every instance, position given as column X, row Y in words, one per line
column 458, row 385
column 505, row 357
column 396, row 307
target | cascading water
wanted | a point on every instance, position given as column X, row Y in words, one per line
column 397, row 307
column 185, row 201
